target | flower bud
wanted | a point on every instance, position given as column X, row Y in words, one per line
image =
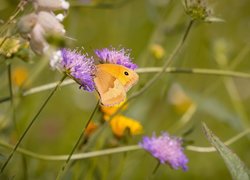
column 51, row 5
column 37, row 40
column 49, row 23
column 26, row 24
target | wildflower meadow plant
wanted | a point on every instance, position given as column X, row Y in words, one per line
column 114, row 56
column 41, row 23
column 120, row 123
column 98, row 129
column 167, row 149
column 76, row 65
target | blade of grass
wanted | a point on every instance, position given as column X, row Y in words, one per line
column 30, row 124
column 60, row 174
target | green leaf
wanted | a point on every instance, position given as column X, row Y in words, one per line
column 236, row 167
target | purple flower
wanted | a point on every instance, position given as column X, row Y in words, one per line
column 166, row 149
column 77, row 66
column 114, row 56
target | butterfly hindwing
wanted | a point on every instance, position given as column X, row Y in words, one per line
column 110, row 89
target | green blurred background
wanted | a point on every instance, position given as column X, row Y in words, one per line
column 223, row 103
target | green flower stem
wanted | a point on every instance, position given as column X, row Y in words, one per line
column 59, row 176
column 100, row 5
column 11, row 96
column 212, row 72
column 156, row 167
column 3, row 41
column 76, row 156
column 233, row 93
column 46, row 87
column 30, row 124
column 19, row 8
column 195, row 71
column 227, row 143
column 167, row 63
column 185, row 118
column 79, row 156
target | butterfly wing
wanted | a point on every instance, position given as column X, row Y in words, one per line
column 126, row 76
column 109, row 88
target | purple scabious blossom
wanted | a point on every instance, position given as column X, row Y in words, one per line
column 167, row 149
column 114, row 56
column 77, row 66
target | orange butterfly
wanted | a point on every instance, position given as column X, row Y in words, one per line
column 112, row 81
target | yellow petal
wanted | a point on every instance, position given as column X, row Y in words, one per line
column 91, row 128
column 19, row 75
column 179, row 99
column 109, row 110
column 120, row 123
column 157, row 51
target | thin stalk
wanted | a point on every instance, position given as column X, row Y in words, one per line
column 30, row 124
column 212, row 149
column 167, row 63
column 160, row 73
column 3, row 41
column 233, row 93
column 110, row 151
column 13, row 116
column 19, row 8
column 185, row 118
column 194, row 71
column 11, row 96
column 59, row 176
column 156, row 167
column 211, row 72
column 101, row 5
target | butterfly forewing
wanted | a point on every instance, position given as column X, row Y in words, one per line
column 109, row 88
column 126, row 76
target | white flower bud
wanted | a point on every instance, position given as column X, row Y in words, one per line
column 60, row 17
column 56, row 59
column 26, row 24
column 51, row 5
column 37, row 41
column 49, row 23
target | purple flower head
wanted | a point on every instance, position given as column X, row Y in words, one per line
column 114, row 56
column 79, row 67
column 166, row 149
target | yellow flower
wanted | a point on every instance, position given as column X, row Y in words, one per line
column 179, row 99
column 91, row 128
column 109, row 110
column 120, row 123
column 9, row 46
column 19, row 75
column 157, row 51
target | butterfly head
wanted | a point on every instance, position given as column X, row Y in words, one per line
column 128, row 78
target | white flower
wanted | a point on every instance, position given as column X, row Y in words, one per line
column 37, row 41
column 35, row 28
column 56, row 59
column 26, row 24
column 51, row 5
column 42, row 23
column 50, row 23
